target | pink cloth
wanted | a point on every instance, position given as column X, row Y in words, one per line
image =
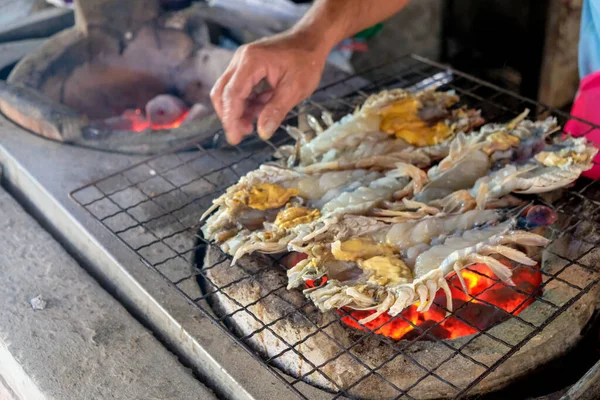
column 587, row 107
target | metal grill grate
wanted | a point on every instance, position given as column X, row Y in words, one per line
column 154, row 207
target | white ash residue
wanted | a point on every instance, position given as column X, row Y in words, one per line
column 38, row 303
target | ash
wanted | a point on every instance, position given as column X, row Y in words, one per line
column 38, row 303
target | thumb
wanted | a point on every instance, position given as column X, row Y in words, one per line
column 274, row 112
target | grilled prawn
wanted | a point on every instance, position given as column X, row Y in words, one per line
column 391, row 126
column 399, row 265
column 475, row 156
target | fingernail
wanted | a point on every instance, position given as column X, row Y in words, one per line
column 266, row 131
column 233, row 140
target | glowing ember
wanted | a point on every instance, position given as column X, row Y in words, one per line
column 140, row 123
column 480, row 309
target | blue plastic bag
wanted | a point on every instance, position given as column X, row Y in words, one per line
column 589, row 40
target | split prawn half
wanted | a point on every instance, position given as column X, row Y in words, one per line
column 475, row 156
column 400, row 265
column 391, row 126
column 555, row 167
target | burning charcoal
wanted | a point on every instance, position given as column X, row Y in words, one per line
column 481, row 316
column 198, row 111
column 130, row 120
column 165, row 109
column 197, row 75
column 433, row 331
column 119, row 123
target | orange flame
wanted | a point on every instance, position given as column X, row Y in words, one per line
column 488, row 301
column 141, row 123
column 473, row 312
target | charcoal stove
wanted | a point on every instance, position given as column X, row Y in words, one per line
column 257, row 344
column 130, row 77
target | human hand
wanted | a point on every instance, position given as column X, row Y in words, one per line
column 291, row 64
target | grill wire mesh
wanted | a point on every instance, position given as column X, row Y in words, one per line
column 154, row 208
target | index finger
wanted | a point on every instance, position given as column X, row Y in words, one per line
column 234, row 97
column 216, row 93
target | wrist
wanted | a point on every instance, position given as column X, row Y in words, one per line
column 316, row 36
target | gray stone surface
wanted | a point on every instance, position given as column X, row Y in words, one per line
column 6, row 393
column 83, row 344
column 11, row 10
column 12, row 52
column 38, row 25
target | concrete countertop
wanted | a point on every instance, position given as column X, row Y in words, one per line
column 42, row 173
column 76, row 342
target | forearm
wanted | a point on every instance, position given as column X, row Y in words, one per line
column 328, row 22
column 291, row 62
